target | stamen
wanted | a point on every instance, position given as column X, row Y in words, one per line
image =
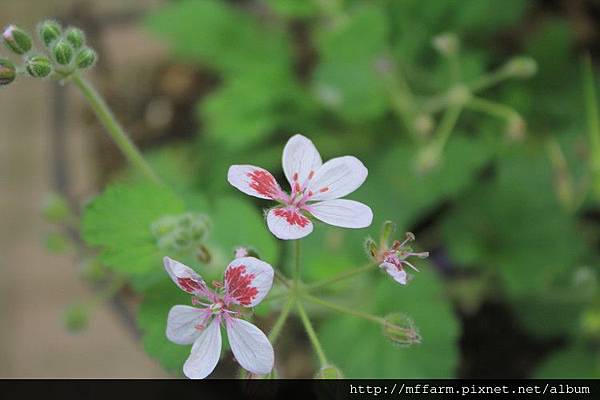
column 409, row 238
column 217, row 284
column 410, row 265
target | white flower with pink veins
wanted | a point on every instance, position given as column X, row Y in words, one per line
column 316, row 188
column 246, row 283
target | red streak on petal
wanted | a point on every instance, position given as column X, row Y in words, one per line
column 292, row 217
column 190, row 285
column 264, row 183
column 239, row 285
column 297, row 187
column 323, row 190
column 312, row 173
column 295, row 176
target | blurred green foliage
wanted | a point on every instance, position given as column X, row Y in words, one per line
column 362, row 77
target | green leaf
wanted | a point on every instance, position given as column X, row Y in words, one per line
column 574, row 362
column 373, row 355
column 152, row 320
column 222, row 36
column 346, row 80
column 409, row 194
column 516, row 226
column 118, row 222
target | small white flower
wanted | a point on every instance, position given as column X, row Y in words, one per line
column 246, row 283
column 316, row 188
column 393, row 259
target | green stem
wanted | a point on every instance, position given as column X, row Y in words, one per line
column 280, row 322
column 116, row 132
column 342, row 309
column 493, row 108
column 281, row 278
column 445, row 129
column 311, row 334
column 297, row 263
column 344, row 275
column 439, row 102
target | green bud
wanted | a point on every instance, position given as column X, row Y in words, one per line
column 371, row 248
column 329, row 372
column 16, row 39
column 62, row 52
column 93, row 270
column 38, row 66
column 49, row 31
column 446, row 43
column 76, row 37
column 203, row 254
column 521, row 67
column 8, row 72
column 401, row 330
column 86, row 58
column 55, row 208
column 76, row 318
column 57, row 243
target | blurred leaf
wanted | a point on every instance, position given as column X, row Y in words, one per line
column 223, row 36
column 515, row 226
column 409, row 194
column 152, row 320
column 118, row 221
column 574, row 362
column 346, row 79
column 294, row 8
column 372, row 355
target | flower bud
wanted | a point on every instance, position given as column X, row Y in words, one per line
column 49, row 31
column 242, row 251
column 76, row 37
column 86, row 58
column 62, row 52
column 55, row 208
column 329, row 372
column 8, row 72
column 38, row 66
column 16, row 39
column 446, row 43
column 401, row 330
column 76, row 318
column 203, row 254
column 521, row 67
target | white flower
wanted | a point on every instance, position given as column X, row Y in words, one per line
column 316, row 188
column 392, row 260
column 246, row 283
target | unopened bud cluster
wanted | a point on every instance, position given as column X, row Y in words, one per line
column 180, row 234
column 65, row 52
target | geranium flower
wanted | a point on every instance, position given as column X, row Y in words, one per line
column 392, row 259
column 316, row 189
column 246, row 283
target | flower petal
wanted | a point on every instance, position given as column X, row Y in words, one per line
column 185, row 277
column 250, row 346
column 247, row 281
column 337, row 177
column 255, row 181
column 342, row 212
column 399, row 275
column 300, row 157
column 288, row 223
column 205, row 354
column 183, row 323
